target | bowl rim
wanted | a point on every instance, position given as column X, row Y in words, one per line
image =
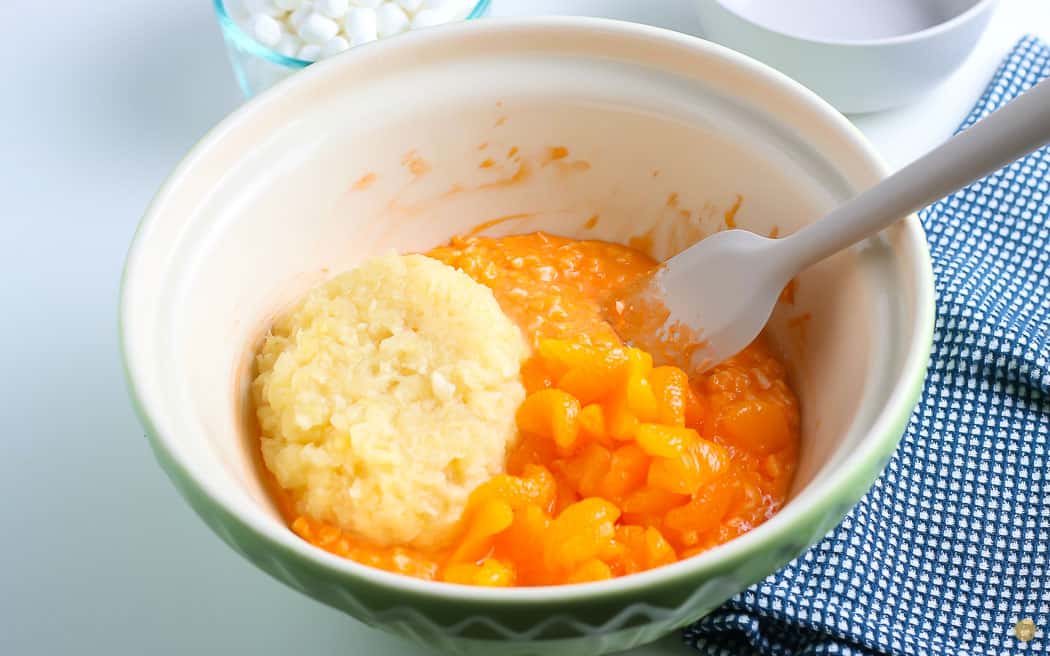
column 861, row 465
column 910, row 37
column 232, row 30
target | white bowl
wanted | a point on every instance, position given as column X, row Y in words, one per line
column 381, row 148
column 859, row 55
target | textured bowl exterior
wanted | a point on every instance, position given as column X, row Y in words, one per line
column 591, row 619
column 584, row 628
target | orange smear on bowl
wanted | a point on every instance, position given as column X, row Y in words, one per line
column 556, row 153
column 730, row 215
column 364, row 182
column 491, row 223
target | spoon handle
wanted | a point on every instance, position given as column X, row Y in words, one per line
column 1001, row 137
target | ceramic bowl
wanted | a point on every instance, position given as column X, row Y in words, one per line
column 383, row 149
column 860, row 55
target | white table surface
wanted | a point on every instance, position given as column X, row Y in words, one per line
column 97, row 104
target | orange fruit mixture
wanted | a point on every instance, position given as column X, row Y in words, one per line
column 621, row 466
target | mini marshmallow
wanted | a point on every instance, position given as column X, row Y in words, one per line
column 310, row 52
column 289, row 5
column 334, row 46
column 289, row 45
column 265, row 7
column 332, row 8
column 390, row 20
column 360, row 25
column 410, row 6
column 318, row 29
column 266, row 29
column 367, row 4
column 297, row 17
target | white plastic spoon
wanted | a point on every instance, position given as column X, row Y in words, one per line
column 723, row 289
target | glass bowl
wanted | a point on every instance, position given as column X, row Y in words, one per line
column 258, row 67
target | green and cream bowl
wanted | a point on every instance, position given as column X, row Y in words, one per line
column 406, row 142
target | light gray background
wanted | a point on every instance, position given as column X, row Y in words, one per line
column 98, row 101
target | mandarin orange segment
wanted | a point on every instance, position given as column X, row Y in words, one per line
column 639, row 363
column 539, row 488
column 649, row 500
column 628, row 468
column 500, row 487
column 585, row 386
column 665, row 441
column 586, row 470
column 644, row 519
column 582, row 531
column 671, row 387
column 485, row 522
column 551, row 413
column 592, row 372
column 641, row 401
column 462, row 573
column 530, row 449
column 658, row 550
column 714, row 458
column 523, row 544
column 758, row 427
column 592, row 423
column 640, row 398
column 643, row 547
column 704, row 512
column 535, row 486
column 535, row 377
column 591, row 570
column 631, row 536
column 566, row 493
column 699, row 464
column 562, row 356
column 620, row 423
column 490, row 573
column 631, row 559
column 675, row 475
column 559, row 356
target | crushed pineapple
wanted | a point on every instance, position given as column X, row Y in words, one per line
column 387, row 396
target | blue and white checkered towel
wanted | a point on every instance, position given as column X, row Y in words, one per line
column 951, row 547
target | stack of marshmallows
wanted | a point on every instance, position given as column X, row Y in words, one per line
column 315, row 29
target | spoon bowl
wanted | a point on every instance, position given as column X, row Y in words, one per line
column 716, row 296
column 704, row 304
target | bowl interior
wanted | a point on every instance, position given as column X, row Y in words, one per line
column 400, row 146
